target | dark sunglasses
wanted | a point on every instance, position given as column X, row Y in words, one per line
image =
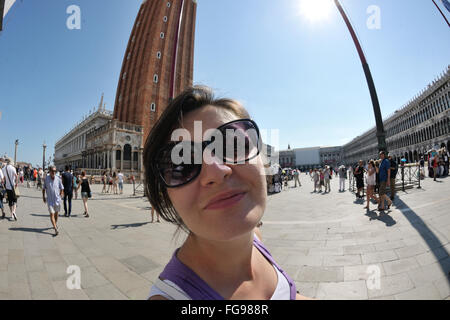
column 240, row 143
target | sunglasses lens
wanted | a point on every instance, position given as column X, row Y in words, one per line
column 173, row 170
column 240, row 141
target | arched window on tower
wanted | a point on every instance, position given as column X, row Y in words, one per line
column 155, row 78
column 158, row 55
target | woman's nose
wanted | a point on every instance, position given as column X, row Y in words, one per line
column 214, row 171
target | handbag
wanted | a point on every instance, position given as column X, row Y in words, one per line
column 15, row 190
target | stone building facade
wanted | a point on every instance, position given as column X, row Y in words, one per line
column 422, row 124
column 101, row 142
column 69, row 149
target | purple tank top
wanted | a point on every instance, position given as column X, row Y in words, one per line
column 197, row 288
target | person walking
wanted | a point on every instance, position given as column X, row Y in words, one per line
column 394, row 170
column 85, row 192
column 326, row 177
column 342, row 177
column 296, row 178
column 2, row 190
column 104, row 181
column 435, row 166
column 67, row 180
column 39, row 179
column 359, row 176
column 10, row 181
column 75, row 182
column 55, row 190
column 371, row 181
column 385, row 180
column 110, row 183
column 315, row 177
column 157, row 215
column 321, row 177
column 114, row 180
column 120, row 178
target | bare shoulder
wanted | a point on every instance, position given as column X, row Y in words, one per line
column 300, row 297
column 157, row 297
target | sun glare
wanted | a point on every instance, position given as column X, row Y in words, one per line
column 315, row 10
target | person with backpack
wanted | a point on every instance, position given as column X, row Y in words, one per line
column 385, row 180
column 10, row 182
column 2, row 190
column 394, row 170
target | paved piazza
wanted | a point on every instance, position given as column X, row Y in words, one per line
column 328, row 243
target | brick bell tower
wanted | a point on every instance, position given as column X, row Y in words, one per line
column 158, row 63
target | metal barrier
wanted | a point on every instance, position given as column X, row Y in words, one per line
column 408, row 177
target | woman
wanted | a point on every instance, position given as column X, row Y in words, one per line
column 104, row 181
column 153, row 214
column 322, row 177
column 114, row 181
column 218, row 200
column 371, row 182
column 85, row 192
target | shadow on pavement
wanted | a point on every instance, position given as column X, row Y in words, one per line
column 432, row 241
column 383, row 217
column 130, row 225
column 37, row 230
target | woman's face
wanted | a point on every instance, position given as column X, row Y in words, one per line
column 225, row 201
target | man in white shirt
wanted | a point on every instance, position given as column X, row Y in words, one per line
column 10, row 181
column 120, row 177
column 54, row 188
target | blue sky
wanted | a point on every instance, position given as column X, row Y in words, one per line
column 301, row 77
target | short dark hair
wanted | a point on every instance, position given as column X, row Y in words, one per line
column 191, row 99
column 66, row 168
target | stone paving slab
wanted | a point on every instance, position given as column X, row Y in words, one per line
column 327, row 243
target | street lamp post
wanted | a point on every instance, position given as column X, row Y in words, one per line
column 381, row 134
column 43, row 156
column 15, row 151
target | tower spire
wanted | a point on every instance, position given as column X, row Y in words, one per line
column 101, row 103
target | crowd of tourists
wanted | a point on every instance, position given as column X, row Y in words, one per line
column 59, row 188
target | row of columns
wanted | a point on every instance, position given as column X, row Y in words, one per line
column 107, row 160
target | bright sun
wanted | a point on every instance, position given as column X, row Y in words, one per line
column 315, row 10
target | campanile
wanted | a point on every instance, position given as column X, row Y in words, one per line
column 158, row 63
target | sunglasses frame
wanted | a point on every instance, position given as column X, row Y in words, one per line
column 204, row 144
